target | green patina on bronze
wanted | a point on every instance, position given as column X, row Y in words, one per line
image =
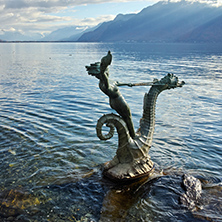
column 132, row 160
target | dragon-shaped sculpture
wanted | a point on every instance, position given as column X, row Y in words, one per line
column 132, row 160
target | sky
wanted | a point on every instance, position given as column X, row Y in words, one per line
column 34, row 17
column 40, row 17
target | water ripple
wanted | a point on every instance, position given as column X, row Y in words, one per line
column 49, row 109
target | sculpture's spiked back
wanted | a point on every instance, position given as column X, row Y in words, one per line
column 147, row 122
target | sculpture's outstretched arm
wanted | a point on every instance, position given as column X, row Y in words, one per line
column 154, row 82
column 135, row 84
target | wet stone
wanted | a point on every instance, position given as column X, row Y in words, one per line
column 193, row 190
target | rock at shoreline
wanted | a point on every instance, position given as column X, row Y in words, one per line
column 193, row 190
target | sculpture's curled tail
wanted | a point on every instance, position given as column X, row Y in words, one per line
column 112, row 121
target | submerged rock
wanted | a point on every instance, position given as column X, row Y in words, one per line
column 193, row 190
column 19, row 204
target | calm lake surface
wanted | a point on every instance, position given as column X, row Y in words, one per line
column 51, row 157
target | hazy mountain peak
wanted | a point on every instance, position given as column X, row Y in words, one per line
column 121, row 17
column 161, row 22
column 63, row 33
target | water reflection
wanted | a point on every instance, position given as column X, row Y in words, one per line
column 90, row 197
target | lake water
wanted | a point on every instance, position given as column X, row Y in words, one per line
column 51, row 157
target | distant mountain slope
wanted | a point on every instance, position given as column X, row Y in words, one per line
column 75, row 36
column 162, row 22
column 18, row 36
column 70, row 33
column 209, row 32
column 63, row 33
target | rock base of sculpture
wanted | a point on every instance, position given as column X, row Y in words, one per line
column 125, row 172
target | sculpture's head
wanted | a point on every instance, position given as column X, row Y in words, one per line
column 94, row 69
column 170, row 81
column 97, row 68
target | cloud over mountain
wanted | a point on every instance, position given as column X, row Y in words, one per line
column 29, row 17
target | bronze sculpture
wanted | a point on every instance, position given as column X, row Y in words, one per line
column 132, row 160
column 116, row 100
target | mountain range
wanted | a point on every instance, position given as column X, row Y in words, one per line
column 163, row 22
